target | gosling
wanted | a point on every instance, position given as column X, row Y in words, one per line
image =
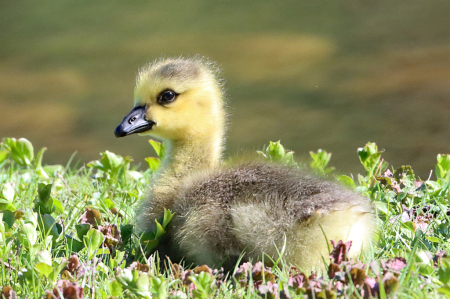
column 252, row 210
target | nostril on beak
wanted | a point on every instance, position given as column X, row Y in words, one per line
column 131, row 120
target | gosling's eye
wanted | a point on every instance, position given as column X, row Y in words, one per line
column 166, row 97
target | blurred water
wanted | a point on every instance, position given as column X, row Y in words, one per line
column 315, row 75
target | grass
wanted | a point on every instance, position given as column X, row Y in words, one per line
column 67, row 232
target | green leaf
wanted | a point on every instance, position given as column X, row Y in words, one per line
column 73, row 244
column 94, row 238
column 27, row 235
column 43, row 203
column 8, row 192
column 404, row 172
column 58, row 206
column 21, row 151
column 444, row 271
column 445, row 290
column 409, row 225
column 3, row 155
column 153, row 163
column 423, row 256
column 25, row 148
column 115, row 288
column 7, row 207
column 159, row 230
column 124, row 277
column 168, row 215
column 44, row 269
column 57, row 270
column 8, row 218
column 370, row 158
column 159, row 286
column 203, row 285
column 92, row 241
column 39, row 157
column 103, row 250
column 150, row 245
column 111, row 161
column 2, row 226
column 43, row 256
column 444, row 162
column 108, row 203
column 346, row 181
column 159, row 148
column 38, row 163
column 112, row 164
column 126, row 231
column 51, row 170
column 433, row 239
column 49, row 226
column 320, row 159
column 382, row 207
column 288, row 158
column 142, row 283
column 150, row 239
column 82, row 229
column 440, row 172
column 275, row 150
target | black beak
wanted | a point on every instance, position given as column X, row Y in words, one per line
column 134, row 122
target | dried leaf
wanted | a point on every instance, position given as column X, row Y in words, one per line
column 92, row 216
column 203, row 268
column 66, row 275
column 422, row 222
column 371, row 288
column 186, row 281
column 418, row 184
column 259, row 272
column 112, row 234
column 18, row 214
column 8, row 293
column 394, row 265
column 269, row 290
column 407, row 214
column 74, row 264
column 298, row 281
column 177, row 271
column 340, row 251
column 242, row 272
column 68, row 289
column 438, row 256
column 390, row 283
column 140, row 267
column 358, row 276
column 333, row 269
column 402, row 172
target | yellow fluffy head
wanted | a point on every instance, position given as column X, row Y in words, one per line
column 183, row 97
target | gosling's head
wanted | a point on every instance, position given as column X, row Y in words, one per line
column 176, row 99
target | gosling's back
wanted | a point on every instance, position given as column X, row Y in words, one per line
column 256, row 208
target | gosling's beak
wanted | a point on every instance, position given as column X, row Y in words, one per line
column 134, row 122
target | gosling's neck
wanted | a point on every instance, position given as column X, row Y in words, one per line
column 191, row 154
column 185, row 156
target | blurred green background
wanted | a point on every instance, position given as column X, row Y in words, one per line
column 315, row 74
